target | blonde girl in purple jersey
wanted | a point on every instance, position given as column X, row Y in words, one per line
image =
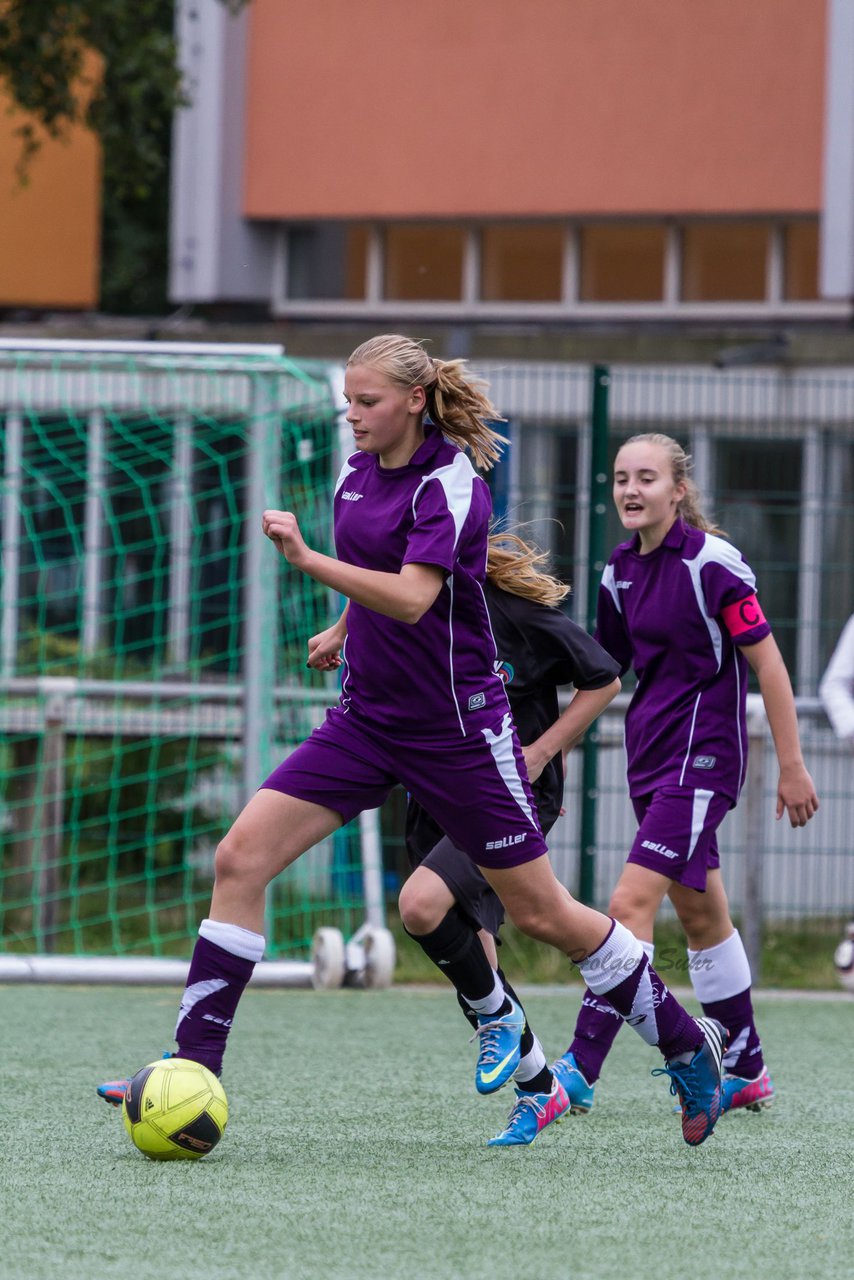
column 421, row 705
column 678, row 604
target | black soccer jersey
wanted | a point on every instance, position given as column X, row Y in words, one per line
column 539, row 648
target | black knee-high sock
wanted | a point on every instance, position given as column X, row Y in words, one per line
column 526, row 1044
column 455, row 948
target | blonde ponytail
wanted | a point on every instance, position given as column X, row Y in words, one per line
column 457, row 402
column 512, row 565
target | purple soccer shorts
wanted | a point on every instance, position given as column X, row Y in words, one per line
column 677, row 833
column 476, row 787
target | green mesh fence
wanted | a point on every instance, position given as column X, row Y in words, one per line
column 152, row 647
column 142, row 626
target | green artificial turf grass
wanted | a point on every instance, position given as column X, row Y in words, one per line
column 355, row 1148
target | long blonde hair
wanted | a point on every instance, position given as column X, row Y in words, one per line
column 688, row 508
column 456, row 402
column 513, row 565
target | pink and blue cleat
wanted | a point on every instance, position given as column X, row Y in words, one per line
column 739, row 1093
column 531, row 1113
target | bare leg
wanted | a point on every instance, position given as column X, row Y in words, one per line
column 271, row 832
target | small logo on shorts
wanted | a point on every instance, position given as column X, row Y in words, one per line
column 704, row 762
column 477, row 700
column 504, row 671
column 659, row 848
column 506, row 841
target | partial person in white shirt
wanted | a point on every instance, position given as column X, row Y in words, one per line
column 836, row 689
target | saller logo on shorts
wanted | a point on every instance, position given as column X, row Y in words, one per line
column 505, row 841
column 704, row 762
column 477, row 700
column 659, row 848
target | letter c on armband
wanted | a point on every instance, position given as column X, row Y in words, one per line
column 743, row 616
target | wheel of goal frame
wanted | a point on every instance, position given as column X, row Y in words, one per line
column 379, row 951
column 328, row 959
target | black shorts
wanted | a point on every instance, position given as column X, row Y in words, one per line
column 472, row 894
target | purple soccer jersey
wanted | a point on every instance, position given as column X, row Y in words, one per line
column 434, row 679
column 678, row 616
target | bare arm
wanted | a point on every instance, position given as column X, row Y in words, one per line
column 324, row 649
column 796, row 793
column 585, row 706
column 405, row 596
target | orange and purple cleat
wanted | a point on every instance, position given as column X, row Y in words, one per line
column 697, row 1084
column 113, row 1091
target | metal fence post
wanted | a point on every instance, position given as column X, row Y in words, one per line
column 598, row 481
column 261, row 628
column 50, row 811
column 754, row 853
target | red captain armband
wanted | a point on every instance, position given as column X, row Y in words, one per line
column 743, row 616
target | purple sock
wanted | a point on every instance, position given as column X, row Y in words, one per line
column 743, row 1055
column 595, row 1029
column 647, row 1005
column 619, row 970
column 215, row 984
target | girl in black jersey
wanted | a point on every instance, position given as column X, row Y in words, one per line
column 539, row 648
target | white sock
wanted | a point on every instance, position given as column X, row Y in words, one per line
column 717, row 973
column 234, row 939
column 608, row 966
column 491, row 1003
column 532, row 1063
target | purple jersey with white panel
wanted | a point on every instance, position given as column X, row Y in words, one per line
column 678, row 617
column 434, row 679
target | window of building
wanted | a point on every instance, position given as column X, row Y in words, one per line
column 327, row 260
column 522, row 263
column 622, row 262
column 801, row 262
column 724, row 261
column 423, row 262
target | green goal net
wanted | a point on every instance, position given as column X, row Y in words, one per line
column 152, row 646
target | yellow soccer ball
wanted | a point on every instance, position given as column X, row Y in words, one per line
column 175, row 1110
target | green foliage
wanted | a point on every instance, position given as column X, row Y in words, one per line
column 795, row 956
column 129, row 106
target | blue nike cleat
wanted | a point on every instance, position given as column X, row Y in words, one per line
column 498, row 1056
column 697, row 1084
column 531, row 1113
column 579, row 1092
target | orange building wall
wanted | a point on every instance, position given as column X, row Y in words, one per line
column 50, row 228
column 533, row 107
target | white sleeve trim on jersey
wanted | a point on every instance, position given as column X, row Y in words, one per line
column 609, row 583
column 717, row 550
column 345, row 471
column 457, row 480
column 836, row 689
